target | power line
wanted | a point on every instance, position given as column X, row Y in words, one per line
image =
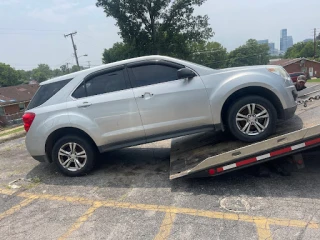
column 29, row 29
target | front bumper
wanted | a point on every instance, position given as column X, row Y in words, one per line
column 43, row 159
column 289, row 112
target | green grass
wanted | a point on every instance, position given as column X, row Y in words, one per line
column 16, row 130
column 314, row 80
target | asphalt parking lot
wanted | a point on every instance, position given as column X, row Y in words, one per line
column 130, row 196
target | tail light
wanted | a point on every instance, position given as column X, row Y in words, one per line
column 27, row 120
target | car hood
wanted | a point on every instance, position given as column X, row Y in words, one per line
column 243, row 68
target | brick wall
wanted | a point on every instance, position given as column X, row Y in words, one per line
column 11, row 109
column 295, row 67
column 12, row 112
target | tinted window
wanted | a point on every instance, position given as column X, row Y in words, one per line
column 45, row 92
column 103, row 83
column 80, row 92
column 153, row 74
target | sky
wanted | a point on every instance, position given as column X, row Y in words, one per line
column 32, row 31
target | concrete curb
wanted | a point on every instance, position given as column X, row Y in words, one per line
column 12, row 136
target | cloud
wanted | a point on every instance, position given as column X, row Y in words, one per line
column 48, row 15
column 9, row 2
column 60, row 11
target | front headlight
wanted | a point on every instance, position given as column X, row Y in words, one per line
column 281, row 72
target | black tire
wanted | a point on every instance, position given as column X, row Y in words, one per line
column 86, row 145
column 242, row 102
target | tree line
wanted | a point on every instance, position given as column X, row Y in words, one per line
column 11, row 77
column 304, row 50
column 210, row 54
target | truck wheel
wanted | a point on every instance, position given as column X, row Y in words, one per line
column 252, row 118
column 74, row 156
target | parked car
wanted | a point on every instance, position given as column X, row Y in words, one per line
column 147, row 99
column 299, row 79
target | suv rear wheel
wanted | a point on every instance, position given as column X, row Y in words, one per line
column 252, row 118
column 73, row 155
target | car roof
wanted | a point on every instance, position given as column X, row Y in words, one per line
column 123, row 62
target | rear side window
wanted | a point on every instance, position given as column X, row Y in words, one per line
column 153, row 74
column 45, row 92
column 100, row 84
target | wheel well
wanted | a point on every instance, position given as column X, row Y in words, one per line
column 260, row 91
column 59, row 133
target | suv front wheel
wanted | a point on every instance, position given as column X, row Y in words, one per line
column 73, row 155
column 252, row 118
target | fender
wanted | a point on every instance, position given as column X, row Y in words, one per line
column 220, row 89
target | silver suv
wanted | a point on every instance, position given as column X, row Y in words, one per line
column 147, row 99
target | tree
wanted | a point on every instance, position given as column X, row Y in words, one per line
column 57, row 72
column 64, row 69
column 42, row 73
column 8, row 76
column 75, row 68
column 119, row 51
column 210, row 54
column 252, row 53
column 302, row 50
column 24, row 76
column 318, row 37
column 157, row 26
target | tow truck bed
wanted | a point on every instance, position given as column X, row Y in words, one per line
column 215, row 153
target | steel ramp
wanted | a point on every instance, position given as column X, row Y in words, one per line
column 211, row 153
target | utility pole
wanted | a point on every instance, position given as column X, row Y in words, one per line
column 315, row 43
column 89, row 64
column 74, row 46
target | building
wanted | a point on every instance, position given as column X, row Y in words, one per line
column 285, row 41
column 272, row 50
column 289, row 42
column 309, row 67
column 13, row 102
column 266, row 41
column 308, row 40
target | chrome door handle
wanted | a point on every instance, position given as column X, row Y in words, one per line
column 84, row 105
column 147, row 95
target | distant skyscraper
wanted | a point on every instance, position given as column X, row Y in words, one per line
column 289, row 42
column 272, row 50
column 308, row 40
column 266, row 41
column 283, row 40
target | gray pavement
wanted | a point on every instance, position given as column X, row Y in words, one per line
column 129, row 196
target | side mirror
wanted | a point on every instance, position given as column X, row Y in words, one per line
column 185, row 73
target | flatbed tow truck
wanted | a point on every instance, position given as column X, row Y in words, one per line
column 215, row 153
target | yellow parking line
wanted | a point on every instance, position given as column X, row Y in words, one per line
column 6, row 191
column 16, row 208
column 80, row 221
column 262, row 223
column 166, row 226
column 263, row 229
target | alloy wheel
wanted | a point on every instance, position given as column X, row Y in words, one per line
column 72, row 156
column 252, row 119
